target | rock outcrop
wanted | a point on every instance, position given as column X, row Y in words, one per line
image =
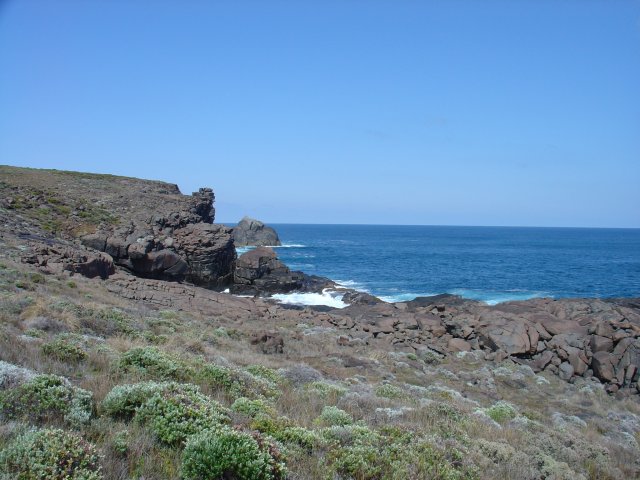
column 252, row 232
column 145, row 226
column 259, row 271
column 173, row 245
column 60, row 258
column 570, row 338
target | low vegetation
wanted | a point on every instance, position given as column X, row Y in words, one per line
column 96, row 387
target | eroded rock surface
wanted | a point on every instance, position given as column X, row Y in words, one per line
column 174, row 245
column 252, row 232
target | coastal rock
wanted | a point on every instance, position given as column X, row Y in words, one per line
column 565, row 371
column 176, row 241
column 601, row 344
column 458, row 345
column 252, row 232
column 259, row 271
column 602, row 366
column 511, row 337
column 57, row 259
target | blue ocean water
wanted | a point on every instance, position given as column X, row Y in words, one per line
column 491, row 264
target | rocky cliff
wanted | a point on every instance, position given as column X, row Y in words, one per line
column 147, row 227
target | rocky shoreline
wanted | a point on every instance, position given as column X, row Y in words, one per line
column 163, row 247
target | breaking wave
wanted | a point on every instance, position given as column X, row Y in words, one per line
column 327, row 298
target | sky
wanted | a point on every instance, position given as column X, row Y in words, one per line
column 452, row 112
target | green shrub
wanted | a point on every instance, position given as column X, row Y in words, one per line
column 171, row 410
column 66, row 348
column 333, row 416
column 46, row 397
column 399, row 455
column 178, row 412
column 387, row 390
column 501, row 412
column 285, row 431
column 326, row 390
column 357, row 461
column 50, row 454
column 350, row 435
column 252, row 408
column 236, row 383
column 231, row 454
column 123, row 400
column 265, row 372
column 151, row 361
column 120, row 442
column 34, row 332
column 220, row 377
column 36, row 278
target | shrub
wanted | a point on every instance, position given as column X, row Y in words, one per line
column 123, row 400
column 177, row 412
column 501, row 412
column 369, row 455
column 66, row 348
column 387, row 390
column 120, row 442
column 231, row 454
column 12, row 375
column 51, row 454
column 358, row 461
column 350, row 435
column 325, row 390
column 265, row 372
column 48, row 396
column 252, row 408
column 333, row 416
column 285, row 431
column 236, row 383
column 150, row 361
column 220, row 377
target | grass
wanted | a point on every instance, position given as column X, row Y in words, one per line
column 155, row 408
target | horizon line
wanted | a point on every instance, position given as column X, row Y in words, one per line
column 433, row 225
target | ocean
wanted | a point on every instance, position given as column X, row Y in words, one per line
column 490, row 264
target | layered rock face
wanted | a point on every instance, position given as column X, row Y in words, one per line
column 252, row 232
column 173, row 245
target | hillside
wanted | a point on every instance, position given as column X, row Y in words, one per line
column 126, row 368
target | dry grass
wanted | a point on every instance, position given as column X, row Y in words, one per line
column 196, row 338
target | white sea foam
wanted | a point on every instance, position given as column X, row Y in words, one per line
column 241, row 250
column 496, row 297
column 327, row 297
column 404, row 297
column 352, row 284
column 487, row 297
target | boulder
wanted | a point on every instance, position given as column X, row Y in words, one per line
column 601, row 344
column 602, row 366
column 565, row 371
column 254, row 233
column 458, row 345
column 509, row 336
column 259, row 271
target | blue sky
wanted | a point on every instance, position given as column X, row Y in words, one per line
column 393, row 112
